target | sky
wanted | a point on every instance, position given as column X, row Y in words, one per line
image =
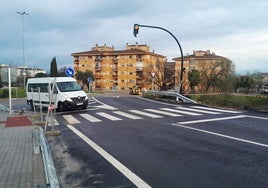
column 235, row 29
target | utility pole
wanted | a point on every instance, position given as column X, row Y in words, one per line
column 23, row 51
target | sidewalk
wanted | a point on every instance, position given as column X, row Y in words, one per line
column 19, row 167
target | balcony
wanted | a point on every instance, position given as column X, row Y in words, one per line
column 115, row 68
column 97, row 76
column 97, row 68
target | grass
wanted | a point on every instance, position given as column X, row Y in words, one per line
column 233, row 101
column 15, row 92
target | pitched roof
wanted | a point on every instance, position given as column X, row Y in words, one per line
column 205, row 56
column 117, row 52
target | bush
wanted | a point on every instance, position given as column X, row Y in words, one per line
column 4, row 93
column 233, row 101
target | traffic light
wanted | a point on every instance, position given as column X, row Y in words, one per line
column 136, row 29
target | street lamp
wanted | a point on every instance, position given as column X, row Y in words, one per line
column 23, row 53
column 136, row 31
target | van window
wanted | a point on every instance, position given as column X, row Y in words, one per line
column 34, row 86
column 68, row 86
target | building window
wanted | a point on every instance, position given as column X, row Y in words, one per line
column 192, row 63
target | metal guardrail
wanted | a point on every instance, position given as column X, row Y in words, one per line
column 4, row 108
column 171, row 94
column 50, row 172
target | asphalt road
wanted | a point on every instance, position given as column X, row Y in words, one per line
column 131, row 142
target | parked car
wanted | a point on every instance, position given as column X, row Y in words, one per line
column 264, row 89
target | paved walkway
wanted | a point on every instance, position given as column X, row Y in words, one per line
column 19, row 167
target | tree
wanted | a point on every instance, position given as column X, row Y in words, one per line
column 194, row 78
column 40, row 75
column 212, row 73
column 53, row 68
column 159, row 78
column 83, row 76
column 61, row 72
column 168, row 78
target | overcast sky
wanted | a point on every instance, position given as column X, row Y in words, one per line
column 235, row 29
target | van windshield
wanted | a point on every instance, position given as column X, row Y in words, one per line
column 68, row 86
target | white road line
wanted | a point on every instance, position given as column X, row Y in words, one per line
column 213, row 119
column 90, row 118
column 158, row 102
column 146, row 114
column 216, row 109
column 92, row 102
column 196, row 110
column 127, row 115
column 221, row 135
column 257, row 117
column 49, row 121
column 119, row 166
column 108, row 116
column 71, row 119
column 105, row 106
column 181, row 112
column 163, row 112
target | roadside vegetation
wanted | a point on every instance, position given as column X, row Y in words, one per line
column 234, row 101
column 15, row 92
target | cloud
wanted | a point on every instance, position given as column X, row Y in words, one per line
column 234, row 29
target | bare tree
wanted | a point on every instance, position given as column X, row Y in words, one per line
column 213, row 72
column 159, row 78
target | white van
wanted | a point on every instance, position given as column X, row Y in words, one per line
column 67, row 94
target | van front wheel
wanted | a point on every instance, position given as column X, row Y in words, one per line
column 31, row 105
column 60, row 107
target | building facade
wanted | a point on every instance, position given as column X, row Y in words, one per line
column 205, row 62
column 120, row 69
column 16, row 74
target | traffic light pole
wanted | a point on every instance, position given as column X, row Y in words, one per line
column 136, row 29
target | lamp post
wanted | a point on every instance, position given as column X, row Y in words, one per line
column 23, row 52
column 135, row 32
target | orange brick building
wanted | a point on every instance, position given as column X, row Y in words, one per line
column 205, row 62
column 120, row 69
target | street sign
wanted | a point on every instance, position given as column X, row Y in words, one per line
column 69, row 72
column 89, row 79
column 153, row 74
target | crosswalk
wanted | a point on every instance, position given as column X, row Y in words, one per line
column 134, row 114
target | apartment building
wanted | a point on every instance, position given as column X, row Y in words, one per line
column 205, row 62
column 120, row 69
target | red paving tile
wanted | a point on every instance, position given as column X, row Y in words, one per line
column 18, row 121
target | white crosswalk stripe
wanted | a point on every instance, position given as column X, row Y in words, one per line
column 116, row 115
column 181, row 112
column 145, row 114
column 163, row 112
column 127, row 115
column 71, row 120
column 108, row 116
column 49, row 122
column 90, row 118
column 216, row 109
column 197, row 110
